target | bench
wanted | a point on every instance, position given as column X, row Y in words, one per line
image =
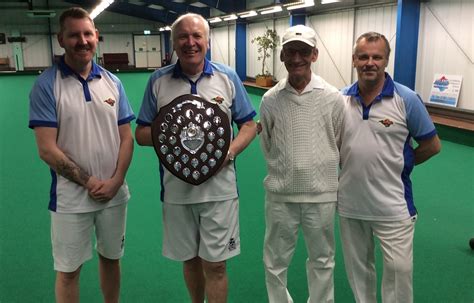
column 4, row 63
column 115, row 60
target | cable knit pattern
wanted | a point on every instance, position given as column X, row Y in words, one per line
column 299, row 138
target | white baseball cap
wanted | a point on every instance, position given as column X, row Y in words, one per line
column 299, row 33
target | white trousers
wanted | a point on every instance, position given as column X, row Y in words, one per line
column 396, row 242
column 282, row 223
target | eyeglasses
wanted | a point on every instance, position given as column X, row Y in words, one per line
column 304, row 52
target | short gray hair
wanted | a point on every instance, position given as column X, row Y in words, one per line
column 189, row 15
column 372, row 37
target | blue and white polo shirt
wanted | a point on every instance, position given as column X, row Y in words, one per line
column 87, row 114
column 216, row 80
column 377, row 156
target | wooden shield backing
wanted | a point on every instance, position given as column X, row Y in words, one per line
column 191, row 137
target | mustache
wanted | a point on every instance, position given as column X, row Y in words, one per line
column 82, row 47
column 369, row 69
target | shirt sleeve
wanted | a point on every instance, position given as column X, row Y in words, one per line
column 266, row 122
column 148, row 109
column 338, row 118
column 125, row 114
column 419, row 121
column 42, row 101
column 242, row 108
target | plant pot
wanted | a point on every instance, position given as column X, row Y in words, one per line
column 265, row 81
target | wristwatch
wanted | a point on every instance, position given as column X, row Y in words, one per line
column 231, row 156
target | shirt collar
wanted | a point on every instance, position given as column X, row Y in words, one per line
column 387, row 90
column 178, row 71
column 314, row 83
column 67, row 71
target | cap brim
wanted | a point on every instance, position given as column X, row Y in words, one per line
column 299, row 39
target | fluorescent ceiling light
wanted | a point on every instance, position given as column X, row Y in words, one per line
column 248, row 14
column 146, row 32
column 167, row 28
column 100, row 8
column 153, row 6
column 230, row 17
column 302, row 5
column 215, row 20
column 272, row 10
column 329, row 1
column 162, row 29
column 40, row 13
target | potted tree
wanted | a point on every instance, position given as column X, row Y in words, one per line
column 266, row 44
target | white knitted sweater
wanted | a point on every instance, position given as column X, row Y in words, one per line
column 300, row 138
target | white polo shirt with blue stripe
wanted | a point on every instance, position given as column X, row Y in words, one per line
column 216, row 80
column 87, row 114
column 377, row 156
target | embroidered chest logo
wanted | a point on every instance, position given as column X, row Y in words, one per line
column 218, row 99
column 386, row 122
column 110, row 102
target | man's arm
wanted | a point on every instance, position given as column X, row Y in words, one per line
column 143, row 135
column 125, row 151
column 338, row 119
column 110, row 187
column 50, row 153
column 247, row 132
column 266, row 125
column 427, row 149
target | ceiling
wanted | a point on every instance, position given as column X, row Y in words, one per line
column 165, row 11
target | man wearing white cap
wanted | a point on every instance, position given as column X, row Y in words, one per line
column 301, row 120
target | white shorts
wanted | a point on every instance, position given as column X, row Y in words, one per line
column 71, row 236
column 208, row 230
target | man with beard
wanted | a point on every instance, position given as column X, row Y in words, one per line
column 375, row 197
column 301, row 120
column 80, row 115
column 200, row 223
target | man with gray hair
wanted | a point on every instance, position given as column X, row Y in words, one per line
column 375, row 200
column 301, row 120
column 200, row 223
